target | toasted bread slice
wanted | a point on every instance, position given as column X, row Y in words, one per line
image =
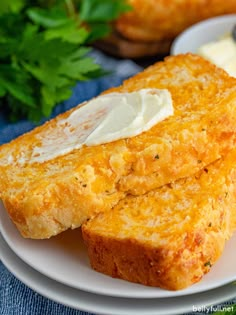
column 46, row 198
column 169, row 237
column 153, row 20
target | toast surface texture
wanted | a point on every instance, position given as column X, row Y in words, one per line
column 153, row 20
column 44, row 199
column 171, row 236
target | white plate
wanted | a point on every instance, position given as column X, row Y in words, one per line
column 64, row 258
column 99, row 304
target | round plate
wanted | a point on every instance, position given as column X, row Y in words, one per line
column 64, row 258
column 99, row 304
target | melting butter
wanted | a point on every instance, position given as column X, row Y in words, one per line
column 104, row 119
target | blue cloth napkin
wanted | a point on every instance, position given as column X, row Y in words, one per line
column 15, row 297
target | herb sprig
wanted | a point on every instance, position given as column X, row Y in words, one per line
column 44, row 49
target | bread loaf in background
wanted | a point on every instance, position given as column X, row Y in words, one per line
column 46, row 198
column 150, row 27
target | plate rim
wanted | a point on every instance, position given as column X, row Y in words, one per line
column 38, row 282
column 144, row 292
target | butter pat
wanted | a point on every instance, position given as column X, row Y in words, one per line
column 131, row 114
column 104, row 119
column 222, row 53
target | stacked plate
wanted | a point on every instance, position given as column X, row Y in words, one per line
column 59, row 269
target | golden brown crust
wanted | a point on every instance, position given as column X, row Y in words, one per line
column 169, row 237
column 44, row 199
column 153, row 20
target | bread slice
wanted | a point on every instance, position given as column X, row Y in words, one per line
column 171, row 236
column 46, row 198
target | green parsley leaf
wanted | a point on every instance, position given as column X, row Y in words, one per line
column 44, row 50
column 48, row 18
column 16, row 83
column 11, row 6
column 68, row 32
column 3, row 90
column 101, row 11
column 98, row 30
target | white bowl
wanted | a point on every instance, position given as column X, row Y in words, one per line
column 201, row 33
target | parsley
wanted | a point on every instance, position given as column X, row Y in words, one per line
column 208, row 264
column 44, row 49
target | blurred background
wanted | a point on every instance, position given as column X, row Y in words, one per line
column 47, row 47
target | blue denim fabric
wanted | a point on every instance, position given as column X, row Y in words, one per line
column 15, row 297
